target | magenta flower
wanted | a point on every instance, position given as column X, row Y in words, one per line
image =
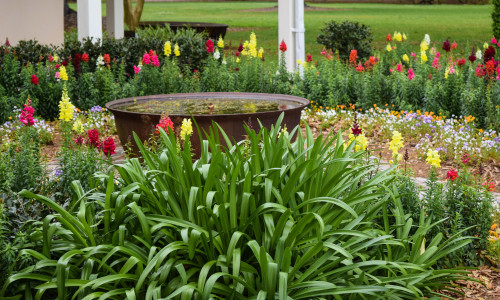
column 146, row 59
column 210, row 46
column 411, row 75
column 493, row 40
column 137, row 70
column 398, row 68
column 26, row 116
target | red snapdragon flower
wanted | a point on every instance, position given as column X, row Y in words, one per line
column 65, row 63
column 240, row 47
column 93, row 135
column 388, row 37
column 490, row 186
column 355, row 128
column 461, row 62
column 309, row 58
column 51, row 58
column 106, row 58
column 446, row 46
column 489, row 54
column 353, row 57
column 472, row 57
column 210, row 46
column 34, row 79
column 108, row 146
column 360, row 68
column 480, row 71
column 79, row 140
column 454, row 45
column 85, row 57
column 490, row 67
column 283, row 46
column 452, row 174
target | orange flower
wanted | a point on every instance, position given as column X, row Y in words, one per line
column 493, row 226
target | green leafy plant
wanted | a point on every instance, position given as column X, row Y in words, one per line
column 346, row 36
column 261, row 219
column 495, row 16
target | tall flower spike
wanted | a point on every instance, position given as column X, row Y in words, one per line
column 355, row 127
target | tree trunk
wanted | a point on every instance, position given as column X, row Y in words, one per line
column 132, row 14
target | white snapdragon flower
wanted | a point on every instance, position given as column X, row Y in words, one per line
column 216, row 54
column 479, row 55
column 427, row 39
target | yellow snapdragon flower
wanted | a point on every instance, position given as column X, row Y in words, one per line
column 65, row 106
column 388, row 48
column 424, row 46
column 396, row 143
column 360, row 140
column 423, row 57
column 397, row 36
column 62, row 73
column 261, row 52
column 406, row 58
column 167, row 48
column 176, row 50
column 485, row 45
column 433, row 158
column 78, row 126
column 186, row 129
column 220, row 42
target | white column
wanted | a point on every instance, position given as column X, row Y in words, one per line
column 299, row 31
column 114, row 18
column 286, row 21
column 89, row 19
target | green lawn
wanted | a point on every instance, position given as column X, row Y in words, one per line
column 461, row 23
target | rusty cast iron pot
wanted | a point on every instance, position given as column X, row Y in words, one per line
column 143, row 124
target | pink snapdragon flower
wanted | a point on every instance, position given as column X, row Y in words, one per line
column 154, row 60
column 411, row 75
column 26, row 116
column 398, row 68
column 146, row 59
column 137, row 69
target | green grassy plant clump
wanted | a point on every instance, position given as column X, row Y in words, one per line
column 265, row 218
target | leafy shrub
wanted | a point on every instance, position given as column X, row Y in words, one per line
column 346, row 36
column 495, row 16
column 265, row 218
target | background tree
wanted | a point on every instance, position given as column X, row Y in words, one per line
column 132, row 13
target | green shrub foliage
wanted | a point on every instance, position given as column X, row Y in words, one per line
column 495, row 16
column 346, row 36
column 268, row 218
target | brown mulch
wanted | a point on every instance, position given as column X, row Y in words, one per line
column 488, row 289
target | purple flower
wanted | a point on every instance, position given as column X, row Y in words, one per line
column 95, row 109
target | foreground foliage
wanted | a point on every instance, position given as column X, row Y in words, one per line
column 266, row 218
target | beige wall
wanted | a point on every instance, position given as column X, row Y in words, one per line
column 32, row 19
